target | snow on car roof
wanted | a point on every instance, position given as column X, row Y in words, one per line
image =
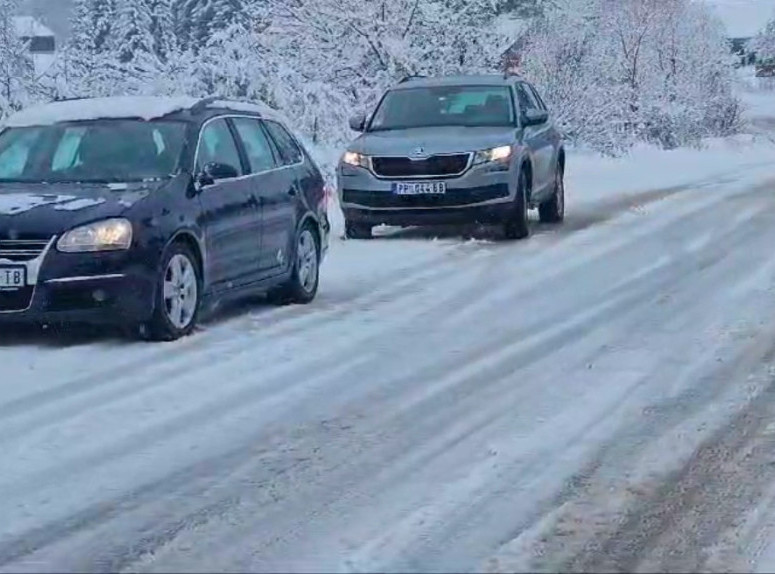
column 143, row 107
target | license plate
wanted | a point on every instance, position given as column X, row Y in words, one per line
column 13, row 277
column 420, row 188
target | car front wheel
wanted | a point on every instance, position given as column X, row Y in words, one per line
column 356, row 230
column 553, row 210
column 178, row 296
column 516, row 224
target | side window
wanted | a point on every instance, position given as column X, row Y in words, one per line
column 537, row 97
column 216, row 144
column 257, row 146
column 526, row 100
column 16, row 153
column 289, row 150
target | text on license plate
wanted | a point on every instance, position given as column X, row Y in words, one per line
column 13, row 277
column 420, row 188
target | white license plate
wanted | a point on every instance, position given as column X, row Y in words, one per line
column 13, row 277
column 420, row 188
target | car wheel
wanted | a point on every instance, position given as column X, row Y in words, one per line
column 553, row 210
column 178, row 296
column 305, row 275
column 516, row 224
column 357, row 230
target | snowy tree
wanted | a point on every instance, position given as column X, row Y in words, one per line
column 133, row 29
column 17, row 74
column 764, row 42
column 629, row 70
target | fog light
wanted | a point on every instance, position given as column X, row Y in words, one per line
column 99, row 296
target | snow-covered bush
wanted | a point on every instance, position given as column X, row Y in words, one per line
column 620, row 71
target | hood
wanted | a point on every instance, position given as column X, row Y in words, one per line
column 46, row 209
column 433, row 140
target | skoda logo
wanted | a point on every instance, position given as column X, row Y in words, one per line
column 419, row 152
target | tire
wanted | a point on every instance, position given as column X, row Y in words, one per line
column 357, row 230
column 302, row 287
column 516, row 224
column 553, row 210
column 178, row 296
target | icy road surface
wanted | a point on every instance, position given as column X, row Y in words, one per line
column 598, row 397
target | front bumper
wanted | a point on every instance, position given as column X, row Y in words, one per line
column 82, row 287
column 480, row 195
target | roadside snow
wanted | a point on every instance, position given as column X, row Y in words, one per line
column 144, row 107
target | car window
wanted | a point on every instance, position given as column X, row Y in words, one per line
column 526, row 100
column 289, row 150
column 15, row 151
column 217, row 145
column 257, row 146
column 444, row 106
column 537, row 97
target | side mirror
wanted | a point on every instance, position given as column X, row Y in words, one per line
column 535, row 117
column 358, row 122
column 214, row 171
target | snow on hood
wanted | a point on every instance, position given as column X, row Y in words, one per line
column 16, row 203
column 144, row 107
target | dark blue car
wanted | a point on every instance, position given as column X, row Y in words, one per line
column 145, row 212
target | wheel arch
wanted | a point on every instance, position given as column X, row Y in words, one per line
column 189, row 238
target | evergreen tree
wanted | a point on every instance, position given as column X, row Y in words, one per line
column 133, row 30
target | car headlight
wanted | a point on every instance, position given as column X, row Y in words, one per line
column 356, row 159
column 107, row 235
column 499, row 154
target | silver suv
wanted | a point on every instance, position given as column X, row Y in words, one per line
column 463, row 149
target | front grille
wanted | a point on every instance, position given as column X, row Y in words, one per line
column 15, row 299
column 433, row 166
column 21, row 249
column 452, row 198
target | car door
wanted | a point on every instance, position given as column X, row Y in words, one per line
column 270, row 185
column 538, row 139
column 280, row 201
column 230, row 213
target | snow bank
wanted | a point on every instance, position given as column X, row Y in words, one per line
column 144, row 107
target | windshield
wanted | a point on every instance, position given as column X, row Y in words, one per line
column 100, row 151
column 444, row 106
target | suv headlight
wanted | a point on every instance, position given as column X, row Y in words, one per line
column 107, row 235
column 499, row 154
column 356, row 159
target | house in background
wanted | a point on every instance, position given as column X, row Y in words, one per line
column 41, row 41
column 741, row 47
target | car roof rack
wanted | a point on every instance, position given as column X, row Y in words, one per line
column 70, row 98
column 411, row 77
column 209, row 100
column 204, row 102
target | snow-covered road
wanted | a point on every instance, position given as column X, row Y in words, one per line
column 597, row 397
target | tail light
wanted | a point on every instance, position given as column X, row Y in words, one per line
column 328, row 194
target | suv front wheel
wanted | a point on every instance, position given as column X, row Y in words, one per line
column 553, row 210
column 357, row 230
column 516, row 224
